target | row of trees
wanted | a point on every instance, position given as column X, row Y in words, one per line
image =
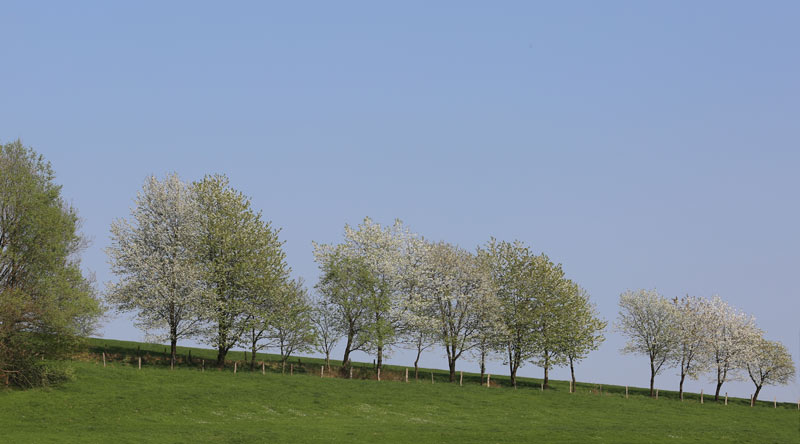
column 385, row 287
column 195, row 260
column 698, row 336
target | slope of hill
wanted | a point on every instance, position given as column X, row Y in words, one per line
column 120, row 403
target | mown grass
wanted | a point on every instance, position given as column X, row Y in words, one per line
column 119, row 403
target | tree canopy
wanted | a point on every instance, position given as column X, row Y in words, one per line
column 46, row 303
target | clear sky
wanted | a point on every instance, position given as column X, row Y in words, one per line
column 640, row 144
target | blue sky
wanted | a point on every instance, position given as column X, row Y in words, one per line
column 640, row 144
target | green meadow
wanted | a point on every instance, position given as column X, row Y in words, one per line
column 120, row 403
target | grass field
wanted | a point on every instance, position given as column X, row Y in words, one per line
column 119, row 403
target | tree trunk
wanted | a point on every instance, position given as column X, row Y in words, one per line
column 328, row 360
column 680, row 387
column 221, row 352
column 173, row 344
column 452, row 364
column 253, row 357
column 380, row 357
column 346, row 357
column 572, row 373
column 755, row 395
column 546, row 377
column 546, row 369
column 173, row 335
column 416, row 364
column 721, row 375
column 652, row 377
column 513, row 376
column 483, row 365
column 512, row 370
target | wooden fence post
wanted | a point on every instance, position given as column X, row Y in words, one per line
column 263, row 364
column 406, row 374
column 351, row 372
column 701, row 396
column 431, row 376
column 379, row 373
column 203, row 363
column 726, row 398
column 461, row 379
column 321, row 371
column 601, row 389
column 488, row 380
column 235, row 365
column 104, row 359
column 626, row 392
column 751, row 400
column 140, row 362
column 656, row 393
column 291, row 369
column 775, row 402
column 541, row 387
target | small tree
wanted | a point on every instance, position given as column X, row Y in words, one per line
column 767, row 362
column 646, row 318
column 728, row 332
column 291, row 328
column 583, row 332
column 326, row 327
column 153, row 253
column 261, row 309
column 343, row 285
column 691, row 337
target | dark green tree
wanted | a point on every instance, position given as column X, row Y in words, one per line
column 242, row 262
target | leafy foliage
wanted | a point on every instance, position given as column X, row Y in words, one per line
column 241, row 258
column 155, row 255
column 46, row 303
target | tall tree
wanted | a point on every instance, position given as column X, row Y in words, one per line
column 153, row 254
column 767, row 362
column 691, row 337
column 242, row 259
column 646, row 318
column 583, row 332
column 46, row 303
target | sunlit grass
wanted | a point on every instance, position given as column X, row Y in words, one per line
column 119, row 403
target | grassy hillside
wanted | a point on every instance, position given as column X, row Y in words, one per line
column 119, row 403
